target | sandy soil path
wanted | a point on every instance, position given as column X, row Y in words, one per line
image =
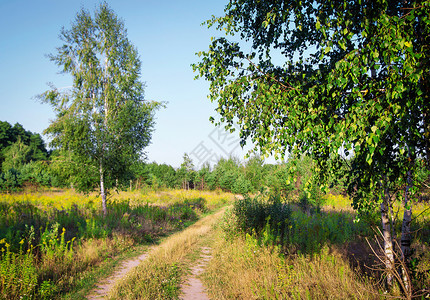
column 104, row 286
column 193, row 288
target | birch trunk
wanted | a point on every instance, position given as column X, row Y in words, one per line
column 388, row 242
column 103, row 191
column 405, row 241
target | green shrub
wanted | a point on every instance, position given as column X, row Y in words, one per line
column 10, row 180
column 241, row 185
column 271, row 217
column 273, row 222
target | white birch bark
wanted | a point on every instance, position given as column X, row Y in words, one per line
column 102, row 190
column 405, row 241
column 388, row 242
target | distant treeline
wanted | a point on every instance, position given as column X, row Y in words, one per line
column 26, row 163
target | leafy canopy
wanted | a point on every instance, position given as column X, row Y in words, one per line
column 322, row 77
column 16, row 142
column 103, row 121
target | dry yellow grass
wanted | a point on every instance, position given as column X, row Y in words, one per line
column 242, row 269
column 64, row 199
column 165, row 197
column 159, row 276
column 337, row 202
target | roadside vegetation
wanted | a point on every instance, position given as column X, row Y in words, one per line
column 160, row 276
column 51, row 242
column 272, row 248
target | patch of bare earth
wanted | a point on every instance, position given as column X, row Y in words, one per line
column 193, row 288
column 104, row 286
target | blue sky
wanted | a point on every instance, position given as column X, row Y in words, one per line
column 167, row 35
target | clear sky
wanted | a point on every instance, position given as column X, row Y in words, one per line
column 167, row 34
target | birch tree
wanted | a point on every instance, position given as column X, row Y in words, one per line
column 103, row 121
column 324, row 77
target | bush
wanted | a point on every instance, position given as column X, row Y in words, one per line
column 274, row 222
column 241, row 185
column 271, row 218
column 10, row 180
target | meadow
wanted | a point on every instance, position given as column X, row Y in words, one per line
column 57, row 244
column 58, row 241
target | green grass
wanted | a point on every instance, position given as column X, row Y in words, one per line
column 60, row 240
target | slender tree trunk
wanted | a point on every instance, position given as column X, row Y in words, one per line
column 405, row 241
column 103, row 190
column 388, row 241
column 105, row 123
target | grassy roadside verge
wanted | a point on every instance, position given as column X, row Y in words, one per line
column 242, row 268
column 88, row 279
column 159, row 276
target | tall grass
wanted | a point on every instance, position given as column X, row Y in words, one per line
column 263, row 235
column 60, row 237
column 241, row 268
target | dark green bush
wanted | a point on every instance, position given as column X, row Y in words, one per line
column 274, row 222
column 241, row 185
column 253, row 215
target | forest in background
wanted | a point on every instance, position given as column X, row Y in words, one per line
column 26, row 164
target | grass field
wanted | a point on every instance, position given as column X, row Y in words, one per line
column 58, row 244
column 52, row 241
column 266, row 249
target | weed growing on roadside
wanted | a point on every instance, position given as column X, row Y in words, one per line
column 17, row 272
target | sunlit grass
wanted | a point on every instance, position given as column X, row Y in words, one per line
column 306, row 255
column 52, row 199
column 212, row 199
column 65, row 199
column 337, row 202
column 67, row 234
column 242, row 269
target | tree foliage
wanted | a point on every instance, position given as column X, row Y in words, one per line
column 103, row 121
column 13, row 138
column 326, row 77
column 353, row 75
